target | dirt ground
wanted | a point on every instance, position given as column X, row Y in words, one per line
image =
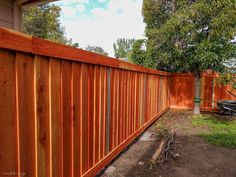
column 197, row 157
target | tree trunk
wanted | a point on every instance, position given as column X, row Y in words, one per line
column 197, row 98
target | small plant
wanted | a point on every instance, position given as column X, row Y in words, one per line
column 221, row 133
column 161, row 130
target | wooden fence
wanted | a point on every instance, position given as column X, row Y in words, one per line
column 67, row 112
column 182, row 91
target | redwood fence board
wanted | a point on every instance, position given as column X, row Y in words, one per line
column 8, row 114
column 182, row 91
column 67, row 112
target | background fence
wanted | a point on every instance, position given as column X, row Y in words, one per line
column 67, row 112
column 182, row 91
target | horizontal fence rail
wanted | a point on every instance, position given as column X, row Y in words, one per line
column 182, row 91
column 65, row 112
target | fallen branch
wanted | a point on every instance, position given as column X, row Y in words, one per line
column 159, row 151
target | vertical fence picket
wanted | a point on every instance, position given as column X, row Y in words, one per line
column 56, row 117
column 91, row 114
column 25, row 66
column 76, row 72
column 108, row 113
column 42, row 116
column 9, row 148
column 68, row 123
column 84, row 112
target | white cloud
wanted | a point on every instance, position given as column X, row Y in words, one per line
column 83, row 1
column 80, row 7
column 98, row 12
column 102, row 1
column 69, row 11
column 69, row 2
column 70, row 8
column 121, row 18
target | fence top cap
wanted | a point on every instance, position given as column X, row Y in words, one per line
column 17, row 41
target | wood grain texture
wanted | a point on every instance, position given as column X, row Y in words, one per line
column 91, row 114
column 77, row 118
column 8, row 114
column 68, row 122
column 97, row 113
column 42, row 115
column 102, row 129
column 56, row 117
column 25, row 70
column 111, row 112
column 84, row 112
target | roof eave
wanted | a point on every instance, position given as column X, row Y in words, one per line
column 35, row 2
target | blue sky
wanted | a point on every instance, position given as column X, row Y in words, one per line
column 101, row 22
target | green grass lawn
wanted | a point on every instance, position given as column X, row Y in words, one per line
column 221, row 132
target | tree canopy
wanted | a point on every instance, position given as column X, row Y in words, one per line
column 43, row 22
column 189, row 35
column 96, row 49
column 138, row 52
column 122, row 47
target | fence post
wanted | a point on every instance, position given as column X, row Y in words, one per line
column 213, row 94
column 145, row 99
column 160, row 94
